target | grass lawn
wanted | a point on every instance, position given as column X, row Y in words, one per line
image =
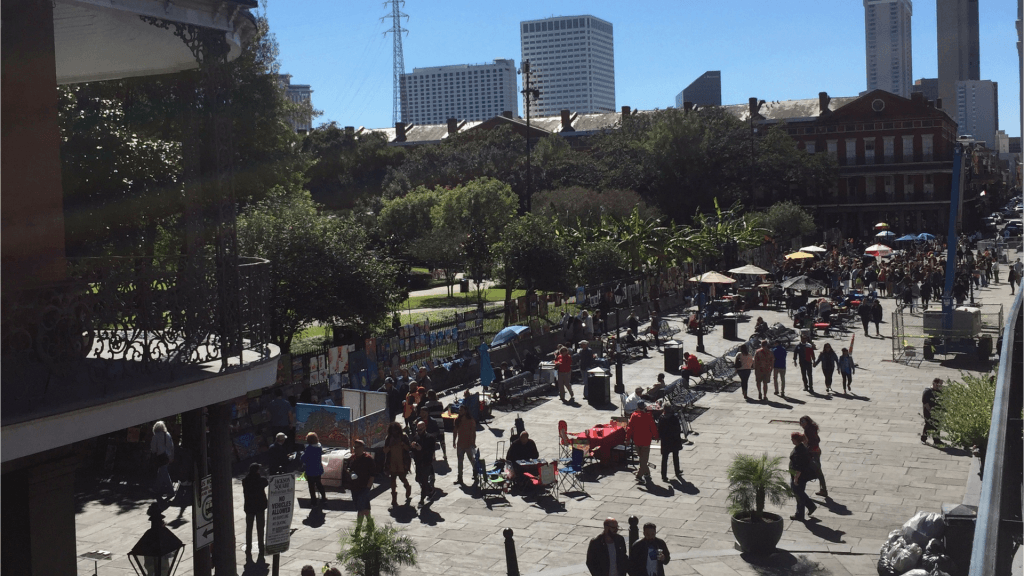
column 467, row 299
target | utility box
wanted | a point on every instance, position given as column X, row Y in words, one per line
column 959, row 536
column 966, row 323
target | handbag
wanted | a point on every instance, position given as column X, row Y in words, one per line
column 737, row 363
column 161, row 459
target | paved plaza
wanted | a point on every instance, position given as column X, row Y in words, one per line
column 878, row 472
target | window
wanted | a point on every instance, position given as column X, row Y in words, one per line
column 889, row 144
column 908, row 188
column 890, row 187
column 908, row 148
column 869, row 150
column 809, row 146
column 926, row 147
column 851, row 151
column 833, row 146
column 869, row 188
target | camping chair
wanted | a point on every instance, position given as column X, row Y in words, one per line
column 490, row 479
column 572, row 474
column 564, row 440
column 518, row 428
column 546, row 479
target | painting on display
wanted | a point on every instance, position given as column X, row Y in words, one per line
column 330, row 423
column 337, row 360
column 246, row 445
column 296, row 370
column 321, row 362
column 372, row 428
column 314, row 370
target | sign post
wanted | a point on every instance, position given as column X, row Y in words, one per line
column 280, row 507
column 203, row 513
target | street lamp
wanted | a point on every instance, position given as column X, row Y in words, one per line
column 528, row 94
column 158, row 551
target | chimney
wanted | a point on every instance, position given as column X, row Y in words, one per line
column 938, row 103
column 917, row 97
column 567, row 122
column 823, row 101
column 507, row 114
column 350, row 130
column 399, row 131
column 687, row 106
column 625, row 112
column 754, row 107
column 453, row 125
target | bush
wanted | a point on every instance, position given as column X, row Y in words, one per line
column 964, row 410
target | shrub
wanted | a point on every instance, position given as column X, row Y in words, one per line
column 754, row 479
column 964, row 410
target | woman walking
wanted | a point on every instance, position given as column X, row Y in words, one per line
column 563, row 366
column 254, row 487
column 764, row 360
column 813, row 446
column 312, row 460
column 744, row 363
column 846, row 370
column 464, row 440
column 801, row 469
column 876, row 315
column 397, row 460
column 671, row 432
column 828, row 361
column 162, row 449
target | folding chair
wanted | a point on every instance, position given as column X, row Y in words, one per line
column 546, row 478
column 571, row 474
column 564, row 440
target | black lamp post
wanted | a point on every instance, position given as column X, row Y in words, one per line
column 528, row 94
column 158, row 552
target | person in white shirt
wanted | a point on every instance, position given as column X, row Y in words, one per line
column 162, row 449
column 630, row 405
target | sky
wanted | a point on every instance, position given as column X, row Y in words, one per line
column 781, row 50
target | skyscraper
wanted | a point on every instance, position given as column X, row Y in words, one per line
column 959, row 55
column 572, row 61
column 463, row 91
column 887, row 42
column 300, row 94
column 704, row 91
column 977, row 110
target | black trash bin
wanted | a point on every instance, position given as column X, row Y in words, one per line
column 598, row 387
column 464, row 285
column 959, row 535
column 729, row 328
column 673, row 353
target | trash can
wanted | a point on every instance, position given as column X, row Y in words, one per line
column 984, row 347
column 729, row 328
column 673, row 352
column 464, row 285
column 598, row 387
column 959, row 535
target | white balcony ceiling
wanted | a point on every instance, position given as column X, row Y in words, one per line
column 107, row 39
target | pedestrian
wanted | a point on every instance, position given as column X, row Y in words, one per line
column 397, row 461
column 803, row 355
column 606, row 554
column 648, row 555
column 282, row 416
column 828, row 361
column 995, row 269
column 423, row 446
column 864, row 311
column 277, row 455
column 780, row 354
column 563, row 367
column 161, row 448
column 802, row 472
column 846, row 370
column 312, row 460
column 332, row 571
column 763, row 362
column 929, row 400
column 254, row 487
column 670, row 430
column 464, row 440
column 409, row 409
column 744, row 363
column 642, row 430
column 436, row 430
column 307, row 570
column 876, row 315
column 655, row 329
column 586, row 356
column 361, row 469
column 1011, row 278
column 814, row 447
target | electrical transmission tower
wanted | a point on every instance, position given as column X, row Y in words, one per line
column 396, row 31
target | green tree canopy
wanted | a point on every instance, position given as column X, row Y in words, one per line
column 408, row 218
column 785, row 220
column 347, row 166
column 531, row 252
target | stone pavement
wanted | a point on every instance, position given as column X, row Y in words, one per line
column 878, row 473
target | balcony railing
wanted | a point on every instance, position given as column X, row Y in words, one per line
column 119, row 325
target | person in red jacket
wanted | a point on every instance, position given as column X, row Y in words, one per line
column 691, row 368
column 642, row 430
column 563, row 366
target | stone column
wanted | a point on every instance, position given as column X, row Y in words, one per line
column 223, row 507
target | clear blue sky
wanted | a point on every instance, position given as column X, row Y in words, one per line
column 787, row 49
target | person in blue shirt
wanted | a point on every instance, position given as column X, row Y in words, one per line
column 780, row 367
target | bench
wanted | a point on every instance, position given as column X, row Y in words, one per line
column 720, row 371
column 522, row 389
column 680, row 395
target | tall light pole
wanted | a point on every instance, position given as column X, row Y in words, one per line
column 528, row 94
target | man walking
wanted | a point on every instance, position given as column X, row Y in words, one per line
column 780, row 354
column 803, row 355
column 648, row 555
column 606, row 555
column 763, row 361
column 671, row 432
column 642, row 430
column 928, row 401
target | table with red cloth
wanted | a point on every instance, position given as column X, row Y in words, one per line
column 603, row 438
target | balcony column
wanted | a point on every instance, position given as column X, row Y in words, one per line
column 193, row 437
column 219, row 438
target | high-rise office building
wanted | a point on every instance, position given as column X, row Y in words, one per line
column 572, row 63
column 927, row 86
column 887, row 43
column 704, row 91
column 299, row 94
column 958, row 41
column 977, row 110
column 463, row 91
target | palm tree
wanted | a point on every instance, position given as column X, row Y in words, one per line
column 371, row 551
column 752, row 480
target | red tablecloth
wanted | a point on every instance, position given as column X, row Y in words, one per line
column 603, row 438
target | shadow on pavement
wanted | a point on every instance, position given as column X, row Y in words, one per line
column 793, row 400
column 836, row 508
column 686, row 487
column 777, row 404
column 657, row 490
column 782, row 563
column 403, row 513
column 824, row 532
column 315, row 519
column 255, row 568
column 429, row 517
column 127, row 494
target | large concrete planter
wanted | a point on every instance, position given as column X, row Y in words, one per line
column 757, row 537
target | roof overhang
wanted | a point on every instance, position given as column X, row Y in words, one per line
column 108, row 39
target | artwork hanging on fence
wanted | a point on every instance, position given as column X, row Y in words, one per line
column 296, row 370
column 246, row 445
column 321, row 362
column 371, row 428
column 314, row 370
column 338, row 359
column 330, row 423
column 334, row 381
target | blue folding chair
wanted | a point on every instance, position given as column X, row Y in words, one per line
column 571, row 474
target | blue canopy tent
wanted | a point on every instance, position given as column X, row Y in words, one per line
column 907, row 238
column 925, row 237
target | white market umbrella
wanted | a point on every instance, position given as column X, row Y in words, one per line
column 813, row 249
column 748, row 269
column 885, row 234
column 878, row 250
column 712, row 278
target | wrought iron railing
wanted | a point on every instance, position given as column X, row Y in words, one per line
column 998, row 529
column 118, row 324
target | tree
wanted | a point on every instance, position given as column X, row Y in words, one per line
column 408, row 218
column 322, row 268
column 442, row 250
column 964, row 410
column 347, row 166
column 582, row 207
column 371, row 551
column 531, row 252
column 599, row 262
column 785, row 220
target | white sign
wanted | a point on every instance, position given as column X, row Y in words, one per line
column 202, row 513
column 280, row 506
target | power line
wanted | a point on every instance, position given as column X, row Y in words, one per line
column 399, row 60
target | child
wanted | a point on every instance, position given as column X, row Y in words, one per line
column 846, row 370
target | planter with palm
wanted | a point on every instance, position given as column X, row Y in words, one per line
column 369, row 550
column 754, row 480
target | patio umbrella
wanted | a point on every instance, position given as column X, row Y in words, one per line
column 798, row 256
column 748, row 269
column 486, row 372
column 881, row 226
column 801, row 283
column 507, row 334
column 813, row 249
column 712, row 278
column 878, row 250
column 925, row 237
column 885, row 234
column 907, row 238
